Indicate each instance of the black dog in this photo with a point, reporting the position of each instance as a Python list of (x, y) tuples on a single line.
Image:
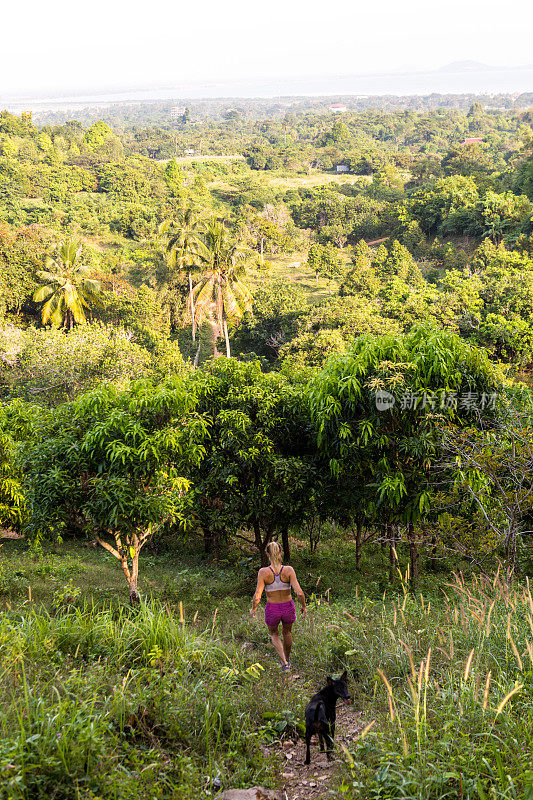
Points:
[(320, 714)]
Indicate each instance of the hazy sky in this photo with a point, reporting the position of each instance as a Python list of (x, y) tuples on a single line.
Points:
[(55, 44)]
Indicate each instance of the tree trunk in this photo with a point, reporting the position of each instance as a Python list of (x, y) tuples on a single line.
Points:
[(131, 575), (208, 540), (413, 554), (226, 337), (261, 543), (191, 300), (134, 594), (358, 545), (286, 544)]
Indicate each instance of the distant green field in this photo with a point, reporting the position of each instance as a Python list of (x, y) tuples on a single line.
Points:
[(293, 268)]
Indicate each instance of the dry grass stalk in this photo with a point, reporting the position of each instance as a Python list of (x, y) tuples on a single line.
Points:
[(414, 693), (487, 629), (420, 675), (410, 657), (476, 616), (496, 578), (486, 690), (428, 661), (367, 728), (385, 681), (468, 664), (508, 697), (516, 654)]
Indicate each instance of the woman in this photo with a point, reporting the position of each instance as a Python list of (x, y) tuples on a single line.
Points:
[(277, 581)]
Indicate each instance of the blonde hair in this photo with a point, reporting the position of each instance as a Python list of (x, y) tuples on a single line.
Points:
[(274, 554)]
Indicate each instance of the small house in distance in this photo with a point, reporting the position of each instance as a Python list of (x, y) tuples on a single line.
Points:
[(338, 108), (343, 168), (472, 141)]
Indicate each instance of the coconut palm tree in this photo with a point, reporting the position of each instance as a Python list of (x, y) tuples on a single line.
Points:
[(67, 289), (184, 252), (220, 297)]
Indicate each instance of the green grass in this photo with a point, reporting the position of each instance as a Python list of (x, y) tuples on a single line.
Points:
[(98, 700), (292, 268)]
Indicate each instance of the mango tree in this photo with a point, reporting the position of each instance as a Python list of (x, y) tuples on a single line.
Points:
[(260, 463), (12, 496), (381, 409), (113, 463)]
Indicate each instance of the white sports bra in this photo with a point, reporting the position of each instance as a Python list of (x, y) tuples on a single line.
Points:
[(277, 585)]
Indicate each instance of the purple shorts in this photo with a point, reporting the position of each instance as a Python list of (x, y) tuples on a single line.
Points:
[(279, 612)]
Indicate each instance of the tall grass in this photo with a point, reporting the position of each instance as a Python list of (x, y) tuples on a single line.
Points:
[(116, 704), (106, 702), (454, 702)]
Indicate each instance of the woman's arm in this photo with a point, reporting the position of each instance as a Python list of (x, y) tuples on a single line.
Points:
[(258, 593), (298, 591)]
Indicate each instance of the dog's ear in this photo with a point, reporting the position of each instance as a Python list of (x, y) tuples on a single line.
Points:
[(344, 676), (329, 680)]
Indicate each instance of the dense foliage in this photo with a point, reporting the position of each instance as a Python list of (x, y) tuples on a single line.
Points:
[(369, 277)]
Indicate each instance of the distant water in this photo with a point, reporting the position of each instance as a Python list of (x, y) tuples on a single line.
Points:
[(482, 81)]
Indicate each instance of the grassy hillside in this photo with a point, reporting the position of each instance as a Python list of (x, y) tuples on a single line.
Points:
[(99, 700)]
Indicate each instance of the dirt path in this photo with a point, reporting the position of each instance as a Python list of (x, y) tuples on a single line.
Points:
[(313, 782), (301, 782)]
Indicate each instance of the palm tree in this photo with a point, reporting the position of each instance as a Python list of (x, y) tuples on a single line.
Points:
[(67, 289), (185, 251), (220, 297)]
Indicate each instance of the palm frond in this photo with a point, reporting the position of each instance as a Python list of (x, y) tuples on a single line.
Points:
[(49, 277), (91, 286), (242, 295), (42, 294), (57, 317), (204, 300)]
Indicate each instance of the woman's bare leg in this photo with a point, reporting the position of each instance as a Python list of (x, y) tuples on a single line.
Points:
[(278, 644), (287, 639)]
